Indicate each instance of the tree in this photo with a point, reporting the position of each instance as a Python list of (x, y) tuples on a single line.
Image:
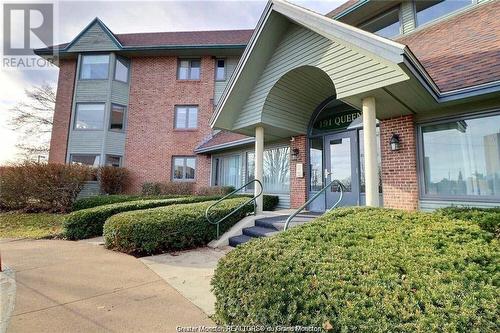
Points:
[(33, 120)]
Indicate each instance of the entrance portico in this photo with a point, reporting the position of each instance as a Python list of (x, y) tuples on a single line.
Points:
[(296, 61)]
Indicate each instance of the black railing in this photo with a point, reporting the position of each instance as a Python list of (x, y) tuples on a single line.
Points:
[(253, 199)]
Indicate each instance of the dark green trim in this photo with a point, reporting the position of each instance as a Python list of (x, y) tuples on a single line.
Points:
[(350, 9)]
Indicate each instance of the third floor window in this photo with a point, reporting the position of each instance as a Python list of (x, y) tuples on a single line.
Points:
[(431, 10), (189, 69), (186, 117), (385, 25), (220, 70), (94, 67)]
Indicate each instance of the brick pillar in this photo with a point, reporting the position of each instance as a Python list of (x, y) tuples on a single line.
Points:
[(62, 112), (298, 185), (399, 168)]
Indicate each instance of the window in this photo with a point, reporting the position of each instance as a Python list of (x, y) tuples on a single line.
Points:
[(89, 116), (431, 10), (114, 161), (220, 70), (189, 69), (227, 171), (94, 67), (316, 163), (461, 158), (121, 70), (117, 117), (186, 117), (184, 168), (362, 186), (385, 25), (276, 171), (89, 159)]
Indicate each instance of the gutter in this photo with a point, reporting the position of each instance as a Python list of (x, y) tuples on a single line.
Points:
[(225, 145)]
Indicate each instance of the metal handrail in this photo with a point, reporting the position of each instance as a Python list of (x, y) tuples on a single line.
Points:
[(253, 199), (301, 208)]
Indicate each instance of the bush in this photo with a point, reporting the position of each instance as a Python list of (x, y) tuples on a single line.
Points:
[(215, 190), (112, 179), (269, 201), (162, 188), (41, 187), (163, 229), (487, 218), (101, 200), (365, 270), (88, 223)]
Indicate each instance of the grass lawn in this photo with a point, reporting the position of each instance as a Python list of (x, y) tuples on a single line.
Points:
[(18, 225)]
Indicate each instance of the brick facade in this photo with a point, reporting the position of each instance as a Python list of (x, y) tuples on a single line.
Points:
[(399, 168), (151, 139), (62, 112), (298, 186)]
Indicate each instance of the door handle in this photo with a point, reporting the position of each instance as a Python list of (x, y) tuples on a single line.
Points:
[(327, 173)]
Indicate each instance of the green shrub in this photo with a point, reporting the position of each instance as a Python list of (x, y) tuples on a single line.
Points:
[(270, 202), (162, 188), (215, 190), (112, 179), (365, 270), (88, 222), (163, 229), (101, 200), (38, 187), (487, 218)]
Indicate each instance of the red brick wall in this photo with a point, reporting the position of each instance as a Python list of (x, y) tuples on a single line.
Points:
[(298, 186), (151, 139), (399, 168), (62, 112)]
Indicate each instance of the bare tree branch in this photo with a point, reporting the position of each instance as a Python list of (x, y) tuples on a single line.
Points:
[(32, 117)]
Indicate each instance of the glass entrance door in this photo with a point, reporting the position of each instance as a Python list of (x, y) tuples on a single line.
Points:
[(341, 161)]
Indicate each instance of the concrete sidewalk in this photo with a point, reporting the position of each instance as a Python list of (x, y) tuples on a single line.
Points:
[(64, 286)]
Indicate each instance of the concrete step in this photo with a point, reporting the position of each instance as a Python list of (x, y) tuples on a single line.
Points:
[(237, 240), (259, 231)]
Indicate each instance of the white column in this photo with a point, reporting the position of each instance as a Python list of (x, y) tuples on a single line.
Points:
[(259, 164), (370, 144)]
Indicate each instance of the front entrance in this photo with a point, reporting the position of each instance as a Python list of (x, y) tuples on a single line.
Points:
[(341, 161)]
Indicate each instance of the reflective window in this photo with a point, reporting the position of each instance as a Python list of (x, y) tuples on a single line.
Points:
[(184, 168), (431, 10), (220, 70), (462, 158), (189, 69), (186, 117), (276, 171), (362, 161), (385, 25), (113, 160), (89, 116), (94, 67), (316, 163), (86, 159), (117, 117), (341, 167), (227, 171), (121, 70)]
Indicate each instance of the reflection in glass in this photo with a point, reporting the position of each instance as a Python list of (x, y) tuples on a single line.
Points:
[(276, 171), (316, 154), (462, 158), (227, 171), (340, 159), (362, 161), (431, 10), (89, 116)]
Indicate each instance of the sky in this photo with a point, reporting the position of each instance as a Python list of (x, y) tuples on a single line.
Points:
[(127, 17)]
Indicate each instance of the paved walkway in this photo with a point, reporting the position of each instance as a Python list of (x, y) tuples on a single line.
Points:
[(64, 286)]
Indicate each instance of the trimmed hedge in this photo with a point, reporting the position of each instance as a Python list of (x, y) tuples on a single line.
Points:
[(270, 202), (176, 227), (87, 223), (487, 218), (365, 270), (101, 200)]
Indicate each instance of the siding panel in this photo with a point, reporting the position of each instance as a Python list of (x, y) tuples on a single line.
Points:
[(94, 39)]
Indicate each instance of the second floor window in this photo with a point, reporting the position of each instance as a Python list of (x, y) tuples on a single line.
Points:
[(186, 117), (385, 25), (94, 67), (220, 70), (431, 10), (189, 69), (117, 118), (121, 70), (89, 116)]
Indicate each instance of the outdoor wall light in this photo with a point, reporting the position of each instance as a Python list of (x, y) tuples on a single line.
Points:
[(395, 144), (295, 154)]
